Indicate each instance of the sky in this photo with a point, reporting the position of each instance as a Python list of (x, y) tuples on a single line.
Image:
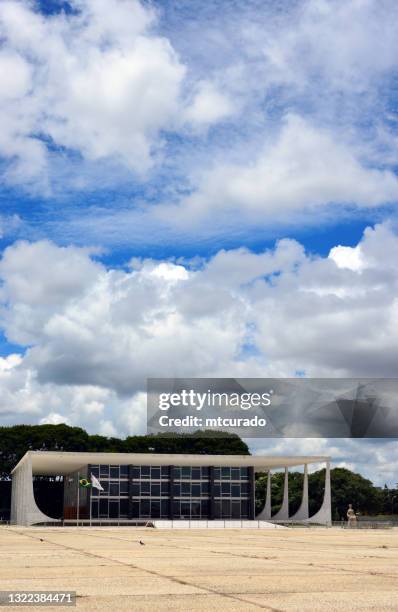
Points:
[(196, 189)]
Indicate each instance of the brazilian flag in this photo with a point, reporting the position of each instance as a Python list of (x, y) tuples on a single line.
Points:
[(84, 483)]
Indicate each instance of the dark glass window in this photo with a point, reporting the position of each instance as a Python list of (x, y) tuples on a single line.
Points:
[(235, 474), (113, 509), (204, 503), (164, 471), (235, 490), (217, 473), (124, 508), (244, 473), (185, 509), (145, 488), (165, 488), (177, 473), (145, 471), (205, 488), (196, 473), (114, 488), (205, 471), (186, 488), (244, 488), (196, 490), (136, 472), (186, 472), (244, 507), (217, 490), (145, 507), (195, 509), (135, 509), (176, 490), (155, 472), (226, 508), (94, 509), (103, 508), (226, 489), (104, 471), (105, 486), (165, 507), (155, 490), (226, 473), (114, 471), (124, 487), (236, 509), (155, 509), (124, 471), (95, 470), (136, 489)]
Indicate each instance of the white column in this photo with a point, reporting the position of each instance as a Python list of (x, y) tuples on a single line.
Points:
[(24, 510), (324, 514), (265, 513), (303, 512), (283, 512)]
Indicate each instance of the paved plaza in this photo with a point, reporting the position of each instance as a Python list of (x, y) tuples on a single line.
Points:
[(292, 569)]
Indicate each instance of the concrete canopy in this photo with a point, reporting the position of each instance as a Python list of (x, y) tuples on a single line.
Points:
[(47, 463)]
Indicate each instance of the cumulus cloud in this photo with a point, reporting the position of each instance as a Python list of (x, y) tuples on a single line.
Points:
[(240, 313), (303, 169), (98, 81)]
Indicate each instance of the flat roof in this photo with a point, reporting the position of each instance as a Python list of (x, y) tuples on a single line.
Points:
[(49, 463)]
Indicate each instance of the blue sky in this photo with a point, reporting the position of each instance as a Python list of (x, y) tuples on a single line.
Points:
[(183, 180)]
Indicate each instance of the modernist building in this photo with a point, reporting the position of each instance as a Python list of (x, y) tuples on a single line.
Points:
[(154, 487)]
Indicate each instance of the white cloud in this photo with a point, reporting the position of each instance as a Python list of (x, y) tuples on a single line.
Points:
[(95, 334), (241, 313), (99, 81), (303, 169), (53, 418)]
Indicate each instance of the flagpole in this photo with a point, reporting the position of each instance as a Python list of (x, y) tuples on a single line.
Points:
[(89, 497), (78, 498)]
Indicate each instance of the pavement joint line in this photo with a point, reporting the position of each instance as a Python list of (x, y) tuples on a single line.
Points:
[(241, 556), (151, 572)]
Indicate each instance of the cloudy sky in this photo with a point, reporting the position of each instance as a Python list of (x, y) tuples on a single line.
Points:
[(196, 189)]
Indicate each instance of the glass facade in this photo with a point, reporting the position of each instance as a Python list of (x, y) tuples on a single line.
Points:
[(172, 492)]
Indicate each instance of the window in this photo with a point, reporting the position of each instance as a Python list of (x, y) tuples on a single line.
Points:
[(155, 472), (186, 472), (196, 473), (124, 487), (135, 490), (155, 490), (124, 508), (244, 474), (136, 472), (114, 488), (95, 470), (104, 471), (124, 471), (196, 490), (164, 471), (226, 489), (226, 473), (235, 490), (114, 471), (145, 471), (176, 490), (103, 508), (113, 509), (235, 474)]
